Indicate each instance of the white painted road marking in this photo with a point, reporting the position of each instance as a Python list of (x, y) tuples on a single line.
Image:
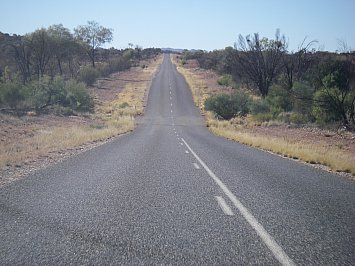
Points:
[(196, 166), (186, 151), (268, 240), (224, 206)]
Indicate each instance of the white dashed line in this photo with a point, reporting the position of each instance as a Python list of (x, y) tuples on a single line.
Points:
[(268, 240), (224, 206), (196, 166), (186, 151), (182, 144)]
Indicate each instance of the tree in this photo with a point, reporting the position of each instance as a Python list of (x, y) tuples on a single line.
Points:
[(93, 36), (22, 57), (40, 44), (335, 99), (296, 64), (260, 59), (62, 42)]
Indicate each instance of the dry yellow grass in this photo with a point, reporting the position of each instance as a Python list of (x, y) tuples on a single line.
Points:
[(336, 159), (110, 119), (131, 100), (58, 139)]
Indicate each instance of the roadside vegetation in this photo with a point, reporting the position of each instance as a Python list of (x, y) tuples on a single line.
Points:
[(55, 74), (262, 84)]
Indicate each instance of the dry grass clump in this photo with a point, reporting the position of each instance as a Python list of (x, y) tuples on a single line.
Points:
[(57, 139), (335, 158)]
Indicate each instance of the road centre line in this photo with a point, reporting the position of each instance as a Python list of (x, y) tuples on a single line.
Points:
[(186, 151), (268, 240), (196, 166), (224, 206)]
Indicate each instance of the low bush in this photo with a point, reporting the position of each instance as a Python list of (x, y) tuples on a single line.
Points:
[(259, 106), (46, 93), (226, 80), (228, 106), (11, 94), (77, 97), (88, 75)]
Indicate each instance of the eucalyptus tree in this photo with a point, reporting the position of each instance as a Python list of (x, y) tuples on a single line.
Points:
[(39, 43), (62, 44), (260, 59), (93, 36)]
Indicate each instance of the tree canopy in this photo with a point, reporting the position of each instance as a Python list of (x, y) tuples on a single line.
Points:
[(93, 36)]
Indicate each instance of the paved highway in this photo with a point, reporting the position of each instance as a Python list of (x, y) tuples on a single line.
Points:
[(173, 193)]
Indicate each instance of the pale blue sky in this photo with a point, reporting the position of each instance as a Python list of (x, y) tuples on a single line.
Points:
[(199, 24)]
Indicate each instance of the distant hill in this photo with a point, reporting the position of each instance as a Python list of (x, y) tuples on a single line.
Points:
[(177, 51), (172, 50)]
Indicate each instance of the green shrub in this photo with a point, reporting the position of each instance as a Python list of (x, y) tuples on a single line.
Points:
[(259, 107), (39, 93), (298, 118), (241, 103), (225, 80), (227, 106), (11, 94), (119, 64), (77, 97), (123, 105), (302, 98), (88, 75), (54, 94), (279, 100)]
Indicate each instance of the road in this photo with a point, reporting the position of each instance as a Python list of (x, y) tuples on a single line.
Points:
[(173, 193)]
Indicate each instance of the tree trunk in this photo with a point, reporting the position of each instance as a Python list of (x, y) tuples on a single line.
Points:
[(93, 58), (60, 66)]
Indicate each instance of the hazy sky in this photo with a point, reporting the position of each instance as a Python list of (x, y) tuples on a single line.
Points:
[(199, 24)]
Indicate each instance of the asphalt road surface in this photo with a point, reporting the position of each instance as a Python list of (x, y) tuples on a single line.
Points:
[(173, 193)]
